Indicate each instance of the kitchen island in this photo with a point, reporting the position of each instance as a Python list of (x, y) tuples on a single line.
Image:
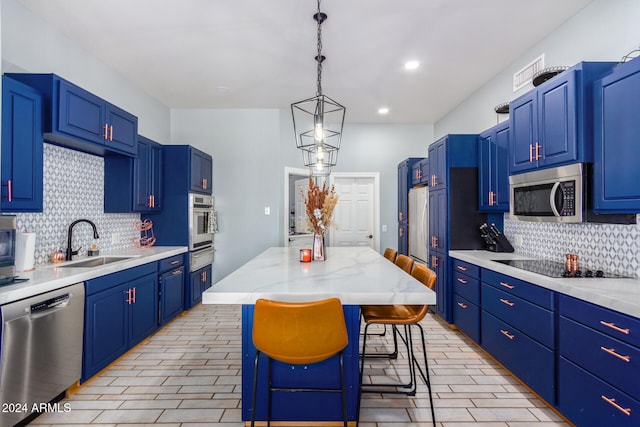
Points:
[(354, 275)]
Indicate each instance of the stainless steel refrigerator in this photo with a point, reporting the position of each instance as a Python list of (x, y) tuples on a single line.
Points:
[(418, 223)]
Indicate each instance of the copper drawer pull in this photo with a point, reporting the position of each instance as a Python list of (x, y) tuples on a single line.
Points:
[(612, 352), (174, 272), (175, 262), (612, 401), (462, 305), (506, 285), (464, 282), (507, 334), (461, 268), (612, 325), (506, 301)]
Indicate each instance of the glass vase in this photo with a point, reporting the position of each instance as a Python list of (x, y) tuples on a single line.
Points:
[(319, 253)]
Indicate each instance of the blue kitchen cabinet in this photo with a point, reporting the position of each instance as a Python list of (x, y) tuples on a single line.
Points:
[(493, 169), (201, 171), (22, 148), (616, 152), (78, 119), (454, 218), (405, 168), (551, 125), (518, 328), (420, 173), (134, 184), (199, 281), (438, 165), (121, 309), (466, 298), (599, 353), (171, 282)]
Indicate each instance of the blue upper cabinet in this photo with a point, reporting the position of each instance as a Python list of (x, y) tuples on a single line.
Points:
[(22, 148), (438, 165), (420, 173), (201, 172), (551, 125), (134, 184), (617, 127), (493, 173), (77, 119)]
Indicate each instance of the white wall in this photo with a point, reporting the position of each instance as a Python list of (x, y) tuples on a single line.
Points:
[(29, 44), (605, 30)]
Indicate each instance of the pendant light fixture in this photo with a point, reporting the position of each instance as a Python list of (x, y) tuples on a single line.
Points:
[(318, 121)]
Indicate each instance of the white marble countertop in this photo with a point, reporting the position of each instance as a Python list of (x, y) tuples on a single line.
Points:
[(355, 275), (49, 277), (618, 294)]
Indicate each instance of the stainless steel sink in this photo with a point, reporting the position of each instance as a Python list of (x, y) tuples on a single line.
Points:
[(96, 261)]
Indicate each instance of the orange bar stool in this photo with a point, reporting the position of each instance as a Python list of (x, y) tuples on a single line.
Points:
[(404, 262), (298, 333), (390, 254), (407, 316)]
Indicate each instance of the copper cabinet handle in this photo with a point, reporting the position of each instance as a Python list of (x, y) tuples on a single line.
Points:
[(129, 297), (613, 326), (462, 305), (506, 301), (204, 183), (134, 295), (435, 241), (507, 334), (9, 186), (175, 262), (506, 285), (401, 232), (174, 272), (111, 133), (492, 198), (462, 268), (434, 261), (203, 276), (530, 152), (538, 147), (105, 134), (613, 352), (612, 401), (461, 280)]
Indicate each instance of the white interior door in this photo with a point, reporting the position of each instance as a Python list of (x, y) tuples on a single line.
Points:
[(302, 188), (354, 214)]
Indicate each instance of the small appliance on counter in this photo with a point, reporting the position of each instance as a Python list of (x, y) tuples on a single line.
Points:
[(7, 249), (494, 239)]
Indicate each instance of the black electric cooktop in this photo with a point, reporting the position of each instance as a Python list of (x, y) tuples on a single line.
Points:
[(555, 269)]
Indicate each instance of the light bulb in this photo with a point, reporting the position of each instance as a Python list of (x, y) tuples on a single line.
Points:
[(320, 153), (318, 133), (319, 165)]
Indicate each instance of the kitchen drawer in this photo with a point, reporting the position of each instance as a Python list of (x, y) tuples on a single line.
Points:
[(526, 290), (527, 359), (466, 316), (466, 286), (608, 358), (617, 325), (170, 263), (588, 401), (466, 268), (102, 283), (533, 320)]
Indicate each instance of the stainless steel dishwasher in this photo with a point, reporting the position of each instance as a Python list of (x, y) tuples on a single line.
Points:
[(41, 350)]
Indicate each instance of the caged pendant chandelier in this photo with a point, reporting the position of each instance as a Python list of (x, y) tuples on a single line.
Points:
[(318, 121)]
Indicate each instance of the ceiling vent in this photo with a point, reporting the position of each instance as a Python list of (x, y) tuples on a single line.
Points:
[(524, 76)]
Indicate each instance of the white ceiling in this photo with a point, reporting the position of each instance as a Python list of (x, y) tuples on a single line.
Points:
[(260, 54)]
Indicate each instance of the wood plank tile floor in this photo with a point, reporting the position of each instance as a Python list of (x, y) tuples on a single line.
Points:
[(188, 375)]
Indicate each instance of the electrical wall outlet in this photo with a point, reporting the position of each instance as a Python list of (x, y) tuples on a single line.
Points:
[(115, 238), (267, 210)]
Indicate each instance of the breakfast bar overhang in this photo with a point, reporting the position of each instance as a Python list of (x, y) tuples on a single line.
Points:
[(355, 275)]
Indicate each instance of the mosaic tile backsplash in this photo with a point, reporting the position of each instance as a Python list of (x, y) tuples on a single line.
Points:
[(74, 189), (609, 247)]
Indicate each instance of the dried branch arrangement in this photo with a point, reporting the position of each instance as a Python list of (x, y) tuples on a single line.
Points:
[(319, 203)]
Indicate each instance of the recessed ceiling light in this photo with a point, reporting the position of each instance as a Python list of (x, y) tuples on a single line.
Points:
[(411, 65), (383, 110)]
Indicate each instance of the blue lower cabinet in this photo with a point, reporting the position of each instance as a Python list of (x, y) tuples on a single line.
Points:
[(530, 361), (121, 309), (587, 401), (466, 316), (171, 294), (199, 281)]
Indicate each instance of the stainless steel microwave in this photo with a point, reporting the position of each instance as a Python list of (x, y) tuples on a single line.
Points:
[(549, 195)]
